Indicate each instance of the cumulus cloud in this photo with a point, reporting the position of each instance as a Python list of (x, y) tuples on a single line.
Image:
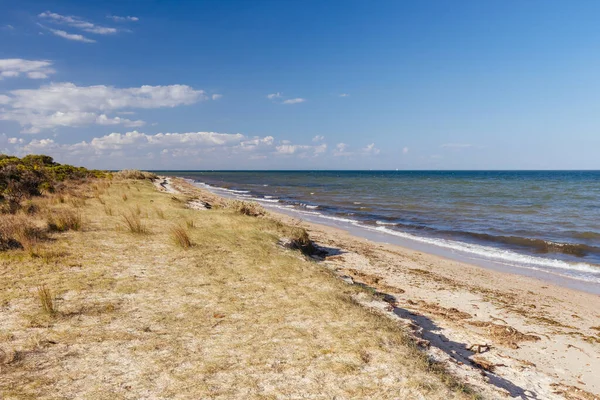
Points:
[(33, 69), (116, 18), (66, 104), (294, 101), (216, 96), (77, 22), (344, 95), (71, 36), (180, 148), (273, 96), (318, 138)]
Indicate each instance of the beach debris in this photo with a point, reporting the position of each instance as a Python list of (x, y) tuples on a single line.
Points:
[(348, 279), (504, 334), (572, 392), (485, 365), (478, 348), (197, 204)]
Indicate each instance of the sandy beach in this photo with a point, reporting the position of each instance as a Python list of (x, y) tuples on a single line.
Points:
[(508, 335)]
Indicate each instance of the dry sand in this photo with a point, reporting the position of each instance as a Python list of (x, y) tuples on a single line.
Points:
[(508, 335)]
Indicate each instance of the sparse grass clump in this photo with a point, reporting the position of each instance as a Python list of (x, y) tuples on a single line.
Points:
[(19, 232), (189, 223), (133, 222), (47, 302), (160, 213), (246, 208), (108, 210), (64, 220), (124, 197), (181, 237), (135, 174)]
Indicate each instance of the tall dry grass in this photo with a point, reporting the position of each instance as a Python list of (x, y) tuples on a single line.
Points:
[(64, 220), (134, 223), (246, 208), (181, 237), (47, 302)]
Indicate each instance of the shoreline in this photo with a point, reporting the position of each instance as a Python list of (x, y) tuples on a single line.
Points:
[(538, 338)]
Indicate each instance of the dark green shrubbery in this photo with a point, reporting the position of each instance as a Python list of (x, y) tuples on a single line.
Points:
[(22, 178)]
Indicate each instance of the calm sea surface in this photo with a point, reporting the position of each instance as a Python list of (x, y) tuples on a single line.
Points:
[(544, 220)]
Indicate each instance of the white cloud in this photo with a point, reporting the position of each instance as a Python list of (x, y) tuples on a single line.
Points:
[(341, 149), (179, 148), (294, 101), (34, 69), (344, 95), (77, 22), (71, 36), (318, 138), (405, 150), (8, 27), (371, 149), (65, 104), (273, 96), (216, 96), (116, 18)]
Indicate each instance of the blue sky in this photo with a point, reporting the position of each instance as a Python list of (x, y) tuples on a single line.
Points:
[(302, 84)]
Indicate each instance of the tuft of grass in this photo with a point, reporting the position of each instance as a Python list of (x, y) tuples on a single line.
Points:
[(133, 222), (160, 213), (246, 208), (189, 223), (47, 302), (64, 220), (108, 210), (181, 237), (124, 197)]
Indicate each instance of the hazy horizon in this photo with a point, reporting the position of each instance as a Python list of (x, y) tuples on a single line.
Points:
[(310, 85)]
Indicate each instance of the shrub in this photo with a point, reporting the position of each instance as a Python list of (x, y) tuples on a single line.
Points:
[(180, 237), (134, 223), (135, 174), (246, 208)]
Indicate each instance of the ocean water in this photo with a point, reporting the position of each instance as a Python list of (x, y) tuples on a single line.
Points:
[(537, 220)]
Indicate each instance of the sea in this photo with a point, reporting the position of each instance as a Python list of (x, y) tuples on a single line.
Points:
[(544, 224)]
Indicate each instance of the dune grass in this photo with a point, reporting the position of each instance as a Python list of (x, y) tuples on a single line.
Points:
[(234, 316)]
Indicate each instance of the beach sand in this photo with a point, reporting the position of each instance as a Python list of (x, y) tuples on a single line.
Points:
[(509, 335)]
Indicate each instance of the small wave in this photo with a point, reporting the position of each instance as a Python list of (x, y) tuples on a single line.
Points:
[(268, 200), (539, 245), (386, 223), (269, 197), (357, 202), (236, 191), (497, 254)]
